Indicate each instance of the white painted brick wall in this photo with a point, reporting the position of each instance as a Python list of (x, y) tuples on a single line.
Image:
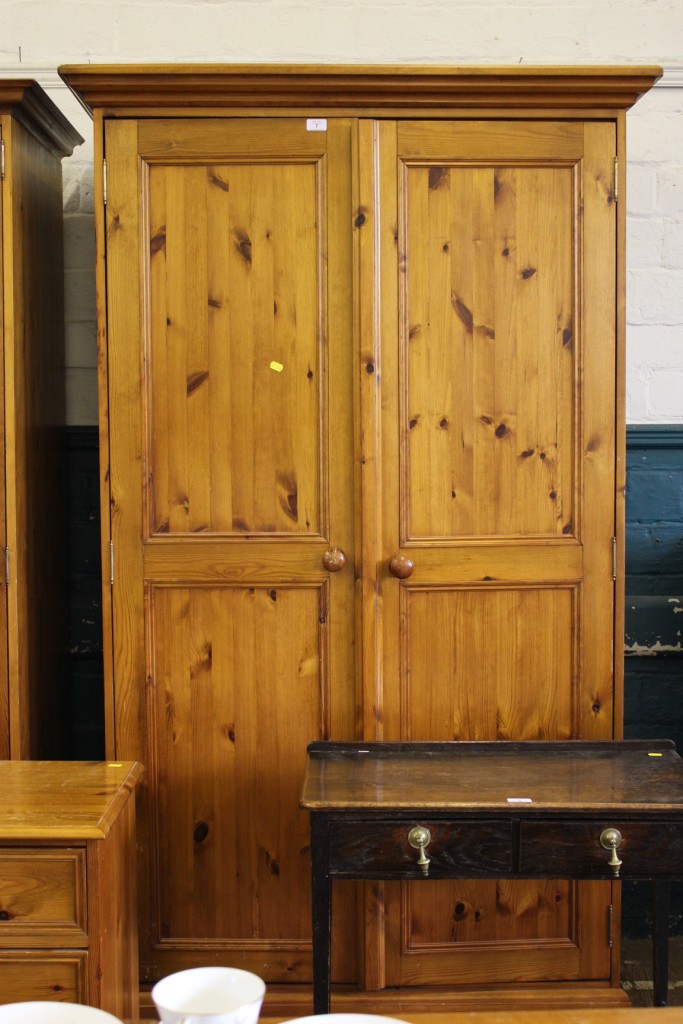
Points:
[(37, 35), (655, 253)]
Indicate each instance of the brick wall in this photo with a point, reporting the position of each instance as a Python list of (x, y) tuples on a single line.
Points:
[(37, 35), (655, 256)]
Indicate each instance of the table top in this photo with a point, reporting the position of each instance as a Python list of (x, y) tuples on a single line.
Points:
[(70, 800), (531, 777)]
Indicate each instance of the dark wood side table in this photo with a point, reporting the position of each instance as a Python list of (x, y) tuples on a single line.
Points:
[(565, 810)]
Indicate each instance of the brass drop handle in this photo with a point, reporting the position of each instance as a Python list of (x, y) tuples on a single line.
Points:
[(334, 559), (401, 567), (611, 839), (419, 837)]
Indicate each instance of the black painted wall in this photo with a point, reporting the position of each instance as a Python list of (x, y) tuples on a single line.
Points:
[(86, 698), (653, 688)]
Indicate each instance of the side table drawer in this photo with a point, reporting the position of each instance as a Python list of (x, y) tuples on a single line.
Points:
[(566, 849), (471, 850), (42, 897), (58, 977)]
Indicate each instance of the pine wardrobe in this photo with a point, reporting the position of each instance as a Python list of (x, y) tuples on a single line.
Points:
[(34, 137), (362, 435)]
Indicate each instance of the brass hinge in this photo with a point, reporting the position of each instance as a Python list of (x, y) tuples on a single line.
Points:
[(104, 181), (6, 565), (616, 179), (614, 559), (111, 562), (610, 926), (2, 159)]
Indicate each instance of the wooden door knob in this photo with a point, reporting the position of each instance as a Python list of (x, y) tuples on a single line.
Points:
[(401, 567), (334, 559)]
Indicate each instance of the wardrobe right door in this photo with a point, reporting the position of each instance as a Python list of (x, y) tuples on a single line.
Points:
[(496, 306)]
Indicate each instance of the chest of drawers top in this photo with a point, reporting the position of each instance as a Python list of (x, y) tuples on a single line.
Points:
[(72, 800)]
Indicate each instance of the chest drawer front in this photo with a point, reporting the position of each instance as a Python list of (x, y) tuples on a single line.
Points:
[(381, 849), (565, 849), (42, 898), (57, 977)]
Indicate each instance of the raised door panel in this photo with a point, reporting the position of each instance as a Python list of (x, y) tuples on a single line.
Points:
[(231, 440), (239, 676), (230, 243), (497, 309)]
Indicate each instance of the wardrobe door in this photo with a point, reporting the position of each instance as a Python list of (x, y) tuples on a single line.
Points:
[(497, 310), (229, 289)]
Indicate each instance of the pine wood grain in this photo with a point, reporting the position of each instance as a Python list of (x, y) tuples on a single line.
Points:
[(238, 398), (43, 892), (67, 885), (63, 799), (40, 975), (357, 87), (615, 1015), (420, 291), (490, 447)]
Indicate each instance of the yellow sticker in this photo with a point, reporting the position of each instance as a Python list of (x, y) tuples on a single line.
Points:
[(278, 367), (654, 755), (115, 764)]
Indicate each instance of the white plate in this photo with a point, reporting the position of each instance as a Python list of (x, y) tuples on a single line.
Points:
[(54, 1013)]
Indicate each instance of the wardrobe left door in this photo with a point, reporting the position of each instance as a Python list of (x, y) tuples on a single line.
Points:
[(229, 373)]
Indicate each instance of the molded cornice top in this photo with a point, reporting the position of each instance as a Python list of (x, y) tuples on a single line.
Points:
[(30, 104), (369, 89)]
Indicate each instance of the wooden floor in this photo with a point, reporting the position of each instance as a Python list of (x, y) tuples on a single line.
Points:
[(636, 972), (630, 1015)]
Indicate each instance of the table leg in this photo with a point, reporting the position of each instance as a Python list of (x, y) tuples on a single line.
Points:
[(661, 900), (322, 914)]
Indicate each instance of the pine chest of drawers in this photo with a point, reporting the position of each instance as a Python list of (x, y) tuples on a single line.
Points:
[(67, 883)]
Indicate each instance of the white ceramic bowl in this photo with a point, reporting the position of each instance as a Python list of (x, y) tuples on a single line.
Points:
[(209, 995), (54, 1013)]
